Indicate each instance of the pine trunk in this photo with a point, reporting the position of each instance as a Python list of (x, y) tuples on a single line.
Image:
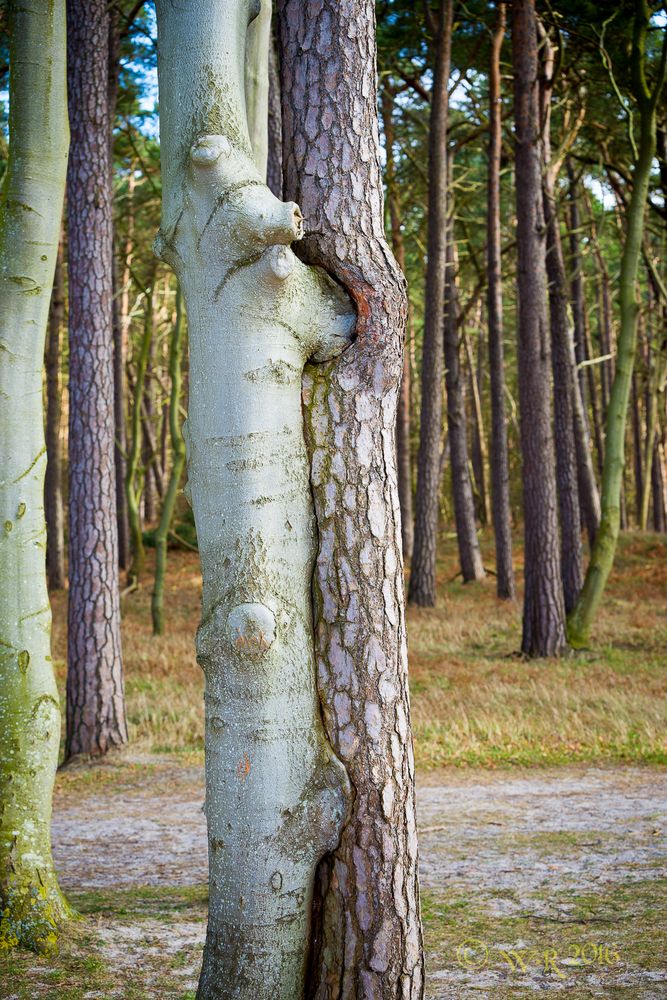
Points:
[(95, 694), (423, 572), (31, 203), (500, 479), (470, 556), (543, 610), (367, 939)]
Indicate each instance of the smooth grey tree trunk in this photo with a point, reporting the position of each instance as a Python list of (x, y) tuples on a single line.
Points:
[(31, 200), (276, 794), (367, 940), (422, 590), (543, 609), (95, 693)]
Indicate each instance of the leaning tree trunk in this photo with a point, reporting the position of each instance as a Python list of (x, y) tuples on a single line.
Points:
[(422, 577), (368, 932), (543, 608), (500, 479), (276, 794), (95, 696), (602, 556), (53, 487), (470, 556), (31, 207)]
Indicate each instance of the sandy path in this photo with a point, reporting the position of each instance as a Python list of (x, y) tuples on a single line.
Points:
[(516, 840)]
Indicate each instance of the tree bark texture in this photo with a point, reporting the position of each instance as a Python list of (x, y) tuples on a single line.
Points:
[(53, 487), (422, 589), (404, 463), (31, 204), (367, 940), (95, 695), (500, 479), (274, 166), (543, 609), (470, 555), (276, 794), (602, 556)]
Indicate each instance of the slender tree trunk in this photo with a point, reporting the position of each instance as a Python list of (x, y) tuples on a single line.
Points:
[(95, 695), (31, 203), (148, 449), (120, 436), (404, 464), (602, 556), (500, 480), (53, 488), (135, 474), (177, 466), (367, 940), (637, 445), (543, 610), (659, 493), (478, 450), (422, 589), (470, 556), (276, 794), (589, 498)]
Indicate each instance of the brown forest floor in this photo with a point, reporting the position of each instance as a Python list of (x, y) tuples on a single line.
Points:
[(543, 830)]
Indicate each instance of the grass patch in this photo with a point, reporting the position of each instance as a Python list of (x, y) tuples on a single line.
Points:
[(474, 701)]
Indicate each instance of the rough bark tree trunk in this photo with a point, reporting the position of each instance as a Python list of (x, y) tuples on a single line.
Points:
[(53, 487), (31, 203), (470, 556), (274, 167), (368, 937), (500, 480), (404, 464), (422, 589), (95, 695), (276, 794), (543, 610), (602, 556)]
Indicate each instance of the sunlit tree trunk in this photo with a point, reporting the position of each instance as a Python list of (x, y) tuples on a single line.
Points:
[(422, 577), (500, 480), (367, 940), (31, 905), (602, 556), (543, 610), (95, 695), (53, 489), (276, 794)]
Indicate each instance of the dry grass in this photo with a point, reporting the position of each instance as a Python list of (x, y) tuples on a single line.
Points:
[(473, 700)]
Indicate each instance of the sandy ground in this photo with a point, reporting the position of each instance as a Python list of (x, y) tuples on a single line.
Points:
[(517, 842)]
